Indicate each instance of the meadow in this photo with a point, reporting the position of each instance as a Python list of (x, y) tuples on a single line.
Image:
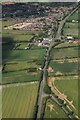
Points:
[(19, 100)]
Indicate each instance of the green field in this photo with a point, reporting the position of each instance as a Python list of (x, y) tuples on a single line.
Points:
[(21, 65), (64, 53), (64, 68), (54, 111), (66, 44), (21, 46), (17, 66), (22, 55), (72, 28), (8, 23), (19, 100), (20, 77), (71, 32), (74, 16), (69, 86)]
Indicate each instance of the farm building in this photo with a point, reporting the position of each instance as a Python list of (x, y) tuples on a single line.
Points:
[(69, 37)]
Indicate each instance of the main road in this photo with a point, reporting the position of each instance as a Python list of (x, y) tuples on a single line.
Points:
[(42, 83)]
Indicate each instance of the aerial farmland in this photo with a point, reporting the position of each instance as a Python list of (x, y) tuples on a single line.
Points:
[(40, 58)]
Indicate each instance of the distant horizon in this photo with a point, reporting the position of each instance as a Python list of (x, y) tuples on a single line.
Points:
[(40, 0)]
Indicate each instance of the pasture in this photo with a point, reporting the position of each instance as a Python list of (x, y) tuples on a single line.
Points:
[(19, 100), (18, 66), (23, 55), (65, 67), (64, 53), (71, 27), (69, 86), (20, 77), (74, 16), (67, 44), (53, 110)]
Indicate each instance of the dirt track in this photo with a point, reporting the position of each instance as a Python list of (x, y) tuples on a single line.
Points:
[(58, 93)]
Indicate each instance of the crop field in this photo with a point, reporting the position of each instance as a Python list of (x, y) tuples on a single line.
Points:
[(65, 67), (53, 110), (19, 100), (69, 86), (64, 53)]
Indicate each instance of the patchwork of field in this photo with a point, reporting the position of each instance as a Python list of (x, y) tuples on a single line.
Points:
[(64, 53), (71, 27), (19, 100), (68, 85), (23, 64), (21, 61), (17, 35), (53, 110)]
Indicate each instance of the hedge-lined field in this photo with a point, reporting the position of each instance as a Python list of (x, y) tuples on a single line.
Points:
[(20, 77), (71, 27), (67, 44), (22, 55), (63, 68), (64, 53), (54, 111), (18, 66), (69, 86), (19, 100), (74, 16)]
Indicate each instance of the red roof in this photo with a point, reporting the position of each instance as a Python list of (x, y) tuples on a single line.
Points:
[(8, 3)]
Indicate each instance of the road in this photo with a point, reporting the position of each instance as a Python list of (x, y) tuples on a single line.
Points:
[(42, 83), (58, 35)]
